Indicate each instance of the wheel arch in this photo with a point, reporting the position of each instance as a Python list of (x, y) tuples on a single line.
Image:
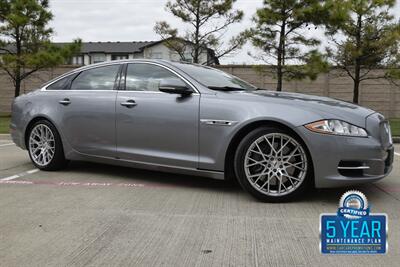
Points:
[(246, 129)]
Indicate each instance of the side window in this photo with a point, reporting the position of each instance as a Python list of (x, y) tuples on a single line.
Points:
[(147, 77), (102, 78), (60, 84)]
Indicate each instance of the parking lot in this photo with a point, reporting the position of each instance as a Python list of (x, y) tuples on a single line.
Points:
[(92, 214)]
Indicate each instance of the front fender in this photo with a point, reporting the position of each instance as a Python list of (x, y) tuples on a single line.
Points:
[(215, 139)]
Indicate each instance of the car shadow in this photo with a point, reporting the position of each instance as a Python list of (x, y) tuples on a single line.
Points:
[(163, 179), (155, 178)]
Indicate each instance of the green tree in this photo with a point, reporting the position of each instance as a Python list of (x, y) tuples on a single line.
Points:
[(279, 33), (365, 36), (207, 21), (25, 40)]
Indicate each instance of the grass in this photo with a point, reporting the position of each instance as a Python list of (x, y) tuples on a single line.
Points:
[(395, 126), (4, 124)]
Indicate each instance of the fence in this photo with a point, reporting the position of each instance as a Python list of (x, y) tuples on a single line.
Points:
[(379, 95)]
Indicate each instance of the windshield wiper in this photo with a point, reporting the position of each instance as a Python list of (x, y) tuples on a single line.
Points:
[(226, 88)]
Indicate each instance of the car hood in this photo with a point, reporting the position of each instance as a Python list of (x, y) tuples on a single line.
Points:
[(327, 108)]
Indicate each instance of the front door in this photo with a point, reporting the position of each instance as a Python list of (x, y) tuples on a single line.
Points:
[(153, 126)]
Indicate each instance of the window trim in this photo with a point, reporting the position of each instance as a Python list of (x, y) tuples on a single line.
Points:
[(74, 75), (123, 76), (125, 70)]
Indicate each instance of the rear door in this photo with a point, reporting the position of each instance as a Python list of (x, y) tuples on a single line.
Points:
[(153, 126), (88, 111)]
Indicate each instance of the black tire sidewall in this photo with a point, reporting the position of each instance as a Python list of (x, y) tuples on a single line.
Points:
[(240, 171), (58, 161)]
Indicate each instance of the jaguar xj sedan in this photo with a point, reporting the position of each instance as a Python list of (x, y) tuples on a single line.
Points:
[(196, 120)]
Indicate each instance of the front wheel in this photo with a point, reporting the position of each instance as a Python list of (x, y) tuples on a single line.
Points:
[(272, 165), (45, 147)]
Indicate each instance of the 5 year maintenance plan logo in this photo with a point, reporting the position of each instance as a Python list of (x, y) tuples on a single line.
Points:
[(353, 229)]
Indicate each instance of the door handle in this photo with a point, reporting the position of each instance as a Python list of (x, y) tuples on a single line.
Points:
[(65, 102), (129, 103)]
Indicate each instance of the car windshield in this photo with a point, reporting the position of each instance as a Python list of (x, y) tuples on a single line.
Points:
[(215, 79)]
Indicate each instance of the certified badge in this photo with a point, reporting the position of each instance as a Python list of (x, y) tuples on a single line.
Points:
[(353, 229), (353, 205)]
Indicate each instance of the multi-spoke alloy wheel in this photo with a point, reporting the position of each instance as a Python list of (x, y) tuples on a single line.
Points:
[(41, 145), (45, 146), (275, 164), (271, 164)]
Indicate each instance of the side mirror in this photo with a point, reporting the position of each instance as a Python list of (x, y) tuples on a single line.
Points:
[(174, 86)]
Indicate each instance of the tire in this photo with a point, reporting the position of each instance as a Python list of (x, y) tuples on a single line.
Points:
[(275, 175), (45, 147)]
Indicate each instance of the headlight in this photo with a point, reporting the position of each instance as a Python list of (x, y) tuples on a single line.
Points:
[(336, 127)]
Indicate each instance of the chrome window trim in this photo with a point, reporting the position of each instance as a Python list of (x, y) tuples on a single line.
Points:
[(44, 88), (79, 90)]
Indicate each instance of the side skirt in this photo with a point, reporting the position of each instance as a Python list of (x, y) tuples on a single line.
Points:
[(147, 166)]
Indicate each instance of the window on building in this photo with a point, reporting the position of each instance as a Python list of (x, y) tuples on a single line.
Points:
[(97, 58), (77, 60), (119, 57), (147, 77), (188, 58), (177, 57), (156, 55), (102, 78)]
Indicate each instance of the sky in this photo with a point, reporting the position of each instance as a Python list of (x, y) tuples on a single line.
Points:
[(133, 20)]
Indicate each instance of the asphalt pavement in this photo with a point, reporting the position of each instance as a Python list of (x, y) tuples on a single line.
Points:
[(91, 214)]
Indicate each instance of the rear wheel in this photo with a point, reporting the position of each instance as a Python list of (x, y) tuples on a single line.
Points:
[(45, 147), (272, 165)]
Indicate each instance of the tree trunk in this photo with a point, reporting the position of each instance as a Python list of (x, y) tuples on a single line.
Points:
[(356, 91), (281, 56), (18, 66), (279, 74), (357, 64), (17, 87), (197, 33)]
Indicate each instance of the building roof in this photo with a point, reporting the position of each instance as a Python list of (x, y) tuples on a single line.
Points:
[(112, 47), (117, 48)]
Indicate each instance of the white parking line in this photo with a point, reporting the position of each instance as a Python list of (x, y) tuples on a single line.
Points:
[(397, 154), (22, 174), (8, 144)]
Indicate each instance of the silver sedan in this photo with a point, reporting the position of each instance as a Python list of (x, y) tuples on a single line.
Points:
[(197, 120)]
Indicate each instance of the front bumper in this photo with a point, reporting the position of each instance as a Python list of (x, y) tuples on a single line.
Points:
[(342, 161)]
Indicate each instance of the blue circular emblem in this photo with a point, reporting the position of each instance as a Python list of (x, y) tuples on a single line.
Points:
[(353, 205)]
